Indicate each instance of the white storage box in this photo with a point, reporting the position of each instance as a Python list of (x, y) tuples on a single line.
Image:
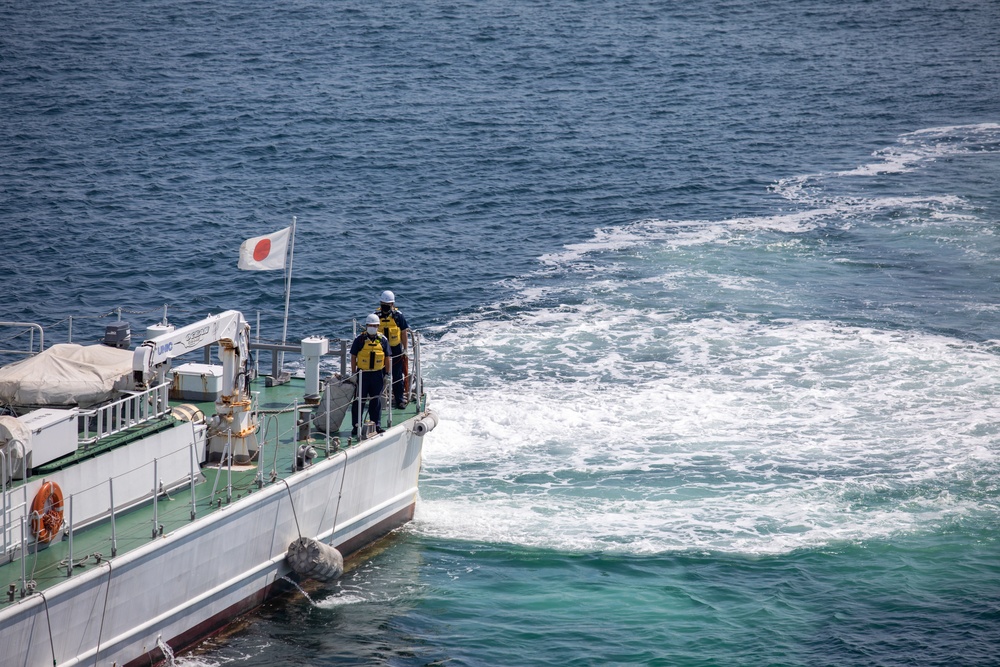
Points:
[(53, 433), (197, 382)]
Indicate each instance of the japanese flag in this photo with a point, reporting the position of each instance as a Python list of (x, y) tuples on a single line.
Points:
[(265, 253)]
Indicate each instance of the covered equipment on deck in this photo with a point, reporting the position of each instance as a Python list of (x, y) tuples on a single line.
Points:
[(334, 403), (67, 374)]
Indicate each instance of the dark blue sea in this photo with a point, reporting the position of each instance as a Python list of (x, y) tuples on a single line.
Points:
[(709, 294)]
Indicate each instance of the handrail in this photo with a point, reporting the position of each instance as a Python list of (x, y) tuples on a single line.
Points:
[(31, 341), (274, 348), (136, 408), (8, 510), (416, 376), (3, 491)]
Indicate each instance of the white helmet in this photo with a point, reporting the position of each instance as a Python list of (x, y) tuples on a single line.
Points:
[(372, 319), (388, 297)]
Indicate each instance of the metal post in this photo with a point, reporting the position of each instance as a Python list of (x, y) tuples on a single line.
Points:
[(156, 497), (69, 338), (218, 472), (416, 384), (288, 292), (259, 477), (69, 566), (31, 340), (194, 505), (361, 423), (328, 392), (388, 403), (229, 467), (408, 378), (114, 534), (24, 560), (256, 358), (3, 484), (295, 425)]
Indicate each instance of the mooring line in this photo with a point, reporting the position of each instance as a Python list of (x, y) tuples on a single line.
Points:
[(292, 502), (104, 614), (48, 622)]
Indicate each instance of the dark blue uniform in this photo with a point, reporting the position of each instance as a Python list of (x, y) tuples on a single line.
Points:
[(397, 353), (371, 382)]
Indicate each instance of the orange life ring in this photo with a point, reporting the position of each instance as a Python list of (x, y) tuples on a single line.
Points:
[(47, 512)]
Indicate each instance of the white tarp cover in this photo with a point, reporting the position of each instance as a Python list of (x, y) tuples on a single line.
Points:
[(66, 374)]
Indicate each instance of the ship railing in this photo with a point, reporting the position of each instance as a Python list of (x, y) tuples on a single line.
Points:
[(30, 328), (136, 408), (416, 376), (10, 506), (104, 501), (338, 348), (412, 377)]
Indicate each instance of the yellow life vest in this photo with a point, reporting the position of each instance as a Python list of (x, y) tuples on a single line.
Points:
[(387, 327), (372, 356)]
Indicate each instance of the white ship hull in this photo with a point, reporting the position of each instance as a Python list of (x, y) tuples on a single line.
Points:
[(190, 582)]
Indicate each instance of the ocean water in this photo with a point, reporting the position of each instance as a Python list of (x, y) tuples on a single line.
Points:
[(709, 293)]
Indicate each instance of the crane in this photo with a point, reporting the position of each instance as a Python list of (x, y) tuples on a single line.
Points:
[(234, 426)]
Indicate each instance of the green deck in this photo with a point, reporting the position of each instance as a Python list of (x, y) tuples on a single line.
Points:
[(136, 527)]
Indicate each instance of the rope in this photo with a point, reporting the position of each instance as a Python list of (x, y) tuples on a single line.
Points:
[(340, 494), (104, 614), (264, 435), (81, 562), (126, 311), (34, 562), (113, 311), (18, 336), (174, 309), (292, 503), (275, 411), (48, 622)]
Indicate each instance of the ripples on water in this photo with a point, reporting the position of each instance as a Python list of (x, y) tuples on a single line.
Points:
[(432, 602), (469, 132)]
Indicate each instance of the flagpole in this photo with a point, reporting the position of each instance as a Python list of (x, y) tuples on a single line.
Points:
[(288, 294)]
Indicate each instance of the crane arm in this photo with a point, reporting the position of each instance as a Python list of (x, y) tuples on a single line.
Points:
[(150, 358)]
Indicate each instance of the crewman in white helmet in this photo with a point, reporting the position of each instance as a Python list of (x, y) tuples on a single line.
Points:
[(393, 326), (370, 354)]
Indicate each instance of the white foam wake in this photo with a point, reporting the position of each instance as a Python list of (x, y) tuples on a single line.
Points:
[(596, 428), (814, 203), (657, 416)]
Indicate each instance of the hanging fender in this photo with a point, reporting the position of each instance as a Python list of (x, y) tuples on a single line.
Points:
[(425, 424)]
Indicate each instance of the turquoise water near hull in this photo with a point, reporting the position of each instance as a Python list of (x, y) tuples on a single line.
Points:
[(915, 601), (709, 294)]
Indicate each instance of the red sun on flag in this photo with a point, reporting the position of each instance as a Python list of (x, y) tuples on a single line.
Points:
[(262, 250), (265, 253)]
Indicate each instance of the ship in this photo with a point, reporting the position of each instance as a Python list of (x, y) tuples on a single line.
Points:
[(153, 494)]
